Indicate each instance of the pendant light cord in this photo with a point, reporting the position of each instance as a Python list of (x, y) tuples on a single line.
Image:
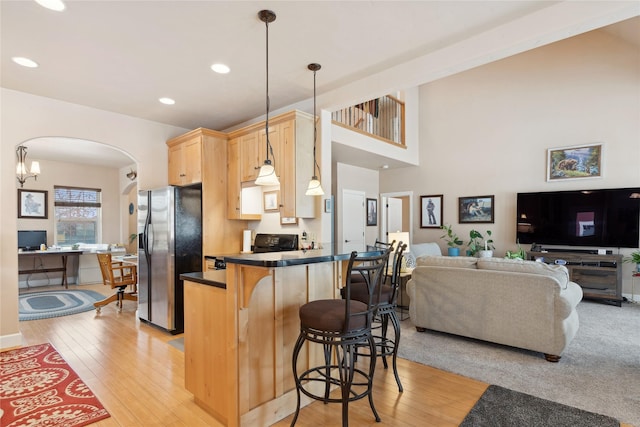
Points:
[(268, 102)]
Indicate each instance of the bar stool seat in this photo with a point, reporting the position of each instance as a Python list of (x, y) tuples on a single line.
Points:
[(341, 326), (328, 315)]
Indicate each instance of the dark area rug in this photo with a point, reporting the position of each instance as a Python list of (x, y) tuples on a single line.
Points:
[(501, 407), (43, 305)]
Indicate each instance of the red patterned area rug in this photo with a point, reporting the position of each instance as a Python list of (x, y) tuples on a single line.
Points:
[(38, 388)]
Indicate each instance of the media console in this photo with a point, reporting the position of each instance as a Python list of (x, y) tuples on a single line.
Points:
[(599, 276)]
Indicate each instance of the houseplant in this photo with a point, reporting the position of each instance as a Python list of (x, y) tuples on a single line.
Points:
[(479, 246), (452, 239), (634, 258), (519, 254)]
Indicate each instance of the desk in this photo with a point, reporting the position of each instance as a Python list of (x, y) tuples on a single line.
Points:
[(63, 256), (126, 259)]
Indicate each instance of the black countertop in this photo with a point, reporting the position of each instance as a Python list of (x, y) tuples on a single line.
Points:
[(289, 258), (217, 278)]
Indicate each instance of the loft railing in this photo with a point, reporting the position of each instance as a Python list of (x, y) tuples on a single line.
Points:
[(381, 118)]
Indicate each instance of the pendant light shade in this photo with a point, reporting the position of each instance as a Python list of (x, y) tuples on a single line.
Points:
[(21, 166), (314, 188), (267, 174)]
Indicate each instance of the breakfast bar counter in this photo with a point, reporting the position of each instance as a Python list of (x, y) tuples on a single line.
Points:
[(239, 336)]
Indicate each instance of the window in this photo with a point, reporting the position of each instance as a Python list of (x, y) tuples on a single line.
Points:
[(78, 214)]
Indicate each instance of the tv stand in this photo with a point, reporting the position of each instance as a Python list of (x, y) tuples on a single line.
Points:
[(599, 276), (575, 251)]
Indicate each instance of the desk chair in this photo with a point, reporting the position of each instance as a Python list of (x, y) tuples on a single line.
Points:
[(341, 326), (117, 275)]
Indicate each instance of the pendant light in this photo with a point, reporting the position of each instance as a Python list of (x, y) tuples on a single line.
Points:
[(21, 167), (314, 188), (267, 174)]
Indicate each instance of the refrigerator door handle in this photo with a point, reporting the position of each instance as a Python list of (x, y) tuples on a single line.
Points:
[(150, 239)]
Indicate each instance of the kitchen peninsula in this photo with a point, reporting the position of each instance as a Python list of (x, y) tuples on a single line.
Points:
[(240, 328)]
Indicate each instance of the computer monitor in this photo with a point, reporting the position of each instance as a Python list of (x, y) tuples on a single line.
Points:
[(30, 240)]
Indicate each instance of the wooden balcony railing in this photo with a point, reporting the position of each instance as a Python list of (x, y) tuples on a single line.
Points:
[(381, 118)]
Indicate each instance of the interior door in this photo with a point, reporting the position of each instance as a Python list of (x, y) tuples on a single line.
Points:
[(353, 214), (393, 217)]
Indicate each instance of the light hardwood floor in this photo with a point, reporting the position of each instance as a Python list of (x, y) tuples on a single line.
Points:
[(139, 377)]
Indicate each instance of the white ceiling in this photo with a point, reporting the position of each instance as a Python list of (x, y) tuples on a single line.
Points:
[(121, 56)]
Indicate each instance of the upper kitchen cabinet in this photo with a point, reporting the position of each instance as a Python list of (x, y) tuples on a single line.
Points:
[(296, 139), (291, 140), (242, 202), (185, 158), (201, 156)]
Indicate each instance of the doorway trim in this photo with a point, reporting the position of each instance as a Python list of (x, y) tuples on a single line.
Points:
[(383, 223)]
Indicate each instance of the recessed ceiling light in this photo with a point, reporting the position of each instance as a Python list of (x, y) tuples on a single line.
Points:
[(25, 62), (56, 5), (384, 167), (167, 101), (220, 68)]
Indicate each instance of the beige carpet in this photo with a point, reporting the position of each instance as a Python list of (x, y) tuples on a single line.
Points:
[(598, 372)]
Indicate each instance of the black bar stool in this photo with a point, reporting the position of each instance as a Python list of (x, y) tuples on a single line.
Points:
[(385, 312), (341, 325)]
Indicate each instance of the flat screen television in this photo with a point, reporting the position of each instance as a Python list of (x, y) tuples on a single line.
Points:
[(598, 218), (31, 240)]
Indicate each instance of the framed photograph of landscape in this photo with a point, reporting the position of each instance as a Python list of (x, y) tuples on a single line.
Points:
[(372, 211), (431, 211), (475, 210), (583, 161), (32, 204)]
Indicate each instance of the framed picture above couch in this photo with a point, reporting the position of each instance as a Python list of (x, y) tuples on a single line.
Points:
[(431, 211), (477, 209)]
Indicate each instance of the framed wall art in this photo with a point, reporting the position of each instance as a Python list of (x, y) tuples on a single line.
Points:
[(32, 204), (372, 211), (431, 211), (584, 161), (477, 209), (271, 201)]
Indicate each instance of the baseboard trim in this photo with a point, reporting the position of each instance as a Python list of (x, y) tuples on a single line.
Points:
[(13, 340)]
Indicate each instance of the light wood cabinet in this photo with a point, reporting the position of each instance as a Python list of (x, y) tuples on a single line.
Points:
[(291, 138), (220, 235), (249, 156), (234, 184), (185, 161)]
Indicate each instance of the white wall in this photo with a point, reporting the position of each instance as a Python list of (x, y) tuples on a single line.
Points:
[(350, 177), (25, 117), (87, 176), (486, 131)]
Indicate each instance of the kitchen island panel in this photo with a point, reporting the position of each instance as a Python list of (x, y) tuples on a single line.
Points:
[(257, 325), (205, 330)]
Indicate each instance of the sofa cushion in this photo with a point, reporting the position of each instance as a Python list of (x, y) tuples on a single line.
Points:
[(447, 261), (559, 272)]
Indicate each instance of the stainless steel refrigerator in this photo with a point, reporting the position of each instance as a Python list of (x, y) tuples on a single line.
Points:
[(169, 244)]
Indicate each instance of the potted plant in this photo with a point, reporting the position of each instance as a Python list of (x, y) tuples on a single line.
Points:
[(519, 254), (634, 258), (479, 246), (452, 239)]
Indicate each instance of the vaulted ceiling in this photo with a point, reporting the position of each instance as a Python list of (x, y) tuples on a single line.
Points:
[(122, 56)]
